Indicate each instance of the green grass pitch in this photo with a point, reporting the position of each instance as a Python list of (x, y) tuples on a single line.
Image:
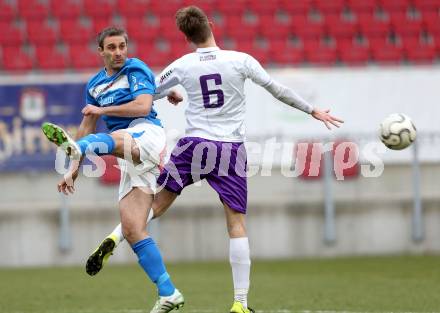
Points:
[(367, 284)]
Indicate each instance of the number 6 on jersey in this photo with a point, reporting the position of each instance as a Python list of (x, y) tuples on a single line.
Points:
[(207, 93)]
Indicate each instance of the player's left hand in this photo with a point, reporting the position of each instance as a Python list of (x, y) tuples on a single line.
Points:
[(66, 185), (174, 97), (326, 118), (92, 110)]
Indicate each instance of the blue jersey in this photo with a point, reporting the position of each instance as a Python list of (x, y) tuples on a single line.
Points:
[(132, 80)]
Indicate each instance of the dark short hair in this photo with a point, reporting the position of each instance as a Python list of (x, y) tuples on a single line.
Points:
[(193, 22), (109, 32)]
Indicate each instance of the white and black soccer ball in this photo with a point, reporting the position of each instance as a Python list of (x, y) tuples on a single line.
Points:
[(397, 131)]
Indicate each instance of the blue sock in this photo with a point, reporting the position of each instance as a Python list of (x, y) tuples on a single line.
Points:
[(151, 261), (101, 144)]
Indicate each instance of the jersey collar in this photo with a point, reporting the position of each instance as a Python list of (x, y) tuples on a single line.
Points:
[(208, 49)]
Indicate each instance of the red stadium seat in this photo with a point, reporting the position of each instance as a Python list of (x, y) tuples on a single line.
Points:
[(339, 27), (404, 25), (218, 30), (73, 31), (208, 6), (370, 26), (99, 23), (66, 9), (237, 28), (304, 28), (383, 51), (334, 6), (318, 53), (295, 7), (16, 60), (98, 8), (41, 33), (428, 5), (229, 8), (351, 53), (264, 7), (83, 59), (250, 47), (7, 12), (286, 54), (168, 29), (276, 45), (33, 10), (419, 51), (362, 6), (10, 35), (139, 30), (48, 58), (133, 8), (161, 9), (268, 23), (179, 49), (431, 22), (142, 49), (155, 57), (395, 5)]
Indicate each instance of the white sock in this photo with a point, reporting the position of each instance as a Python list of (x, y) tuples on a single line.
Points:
[(239, 257), (117, 234)]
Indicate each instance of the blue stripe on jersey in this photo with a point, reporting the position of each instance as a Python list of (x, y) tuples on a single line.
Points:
[(134, 79)]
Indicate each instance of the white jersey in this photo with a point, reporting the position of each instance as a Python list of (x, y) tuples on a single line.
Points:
[(214, 81)]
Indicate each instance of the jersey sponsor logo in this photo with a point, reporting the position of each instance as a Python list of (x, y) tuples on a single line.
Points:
[(120, 82), (167, 74), (208, 57), (107, 100)]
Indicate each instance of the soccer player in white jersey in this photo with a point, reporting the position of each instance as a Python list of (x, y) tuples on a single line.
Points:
[(122, 94), (214, 81)]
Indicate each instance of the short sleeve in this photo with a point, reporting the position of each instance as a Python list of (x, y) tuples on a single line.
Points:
[(141, 81), (170, 76), (89, 98)]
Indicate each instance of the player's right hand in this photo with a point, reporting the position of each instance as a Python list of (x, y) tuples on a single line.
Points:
[(325, 117), (174, 97)]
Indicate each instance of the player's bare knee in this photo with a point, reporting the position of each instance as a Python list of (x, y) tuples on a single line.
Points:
[(132, 234)]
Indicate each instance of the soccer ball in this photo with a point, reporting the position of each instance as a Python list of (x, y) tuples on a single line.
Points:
[(397, 131)]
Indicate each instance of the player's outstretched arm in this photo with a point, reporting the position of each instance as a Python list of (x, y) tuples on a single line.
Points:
[(325, 117), (66, 184)]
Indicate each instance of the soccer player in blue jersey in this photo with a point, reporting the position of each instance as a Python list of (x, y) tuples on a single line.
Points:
[(122, 94)]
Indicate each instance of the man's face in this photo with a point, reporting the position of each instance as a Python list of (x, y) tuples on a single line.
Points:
[(114, 53)]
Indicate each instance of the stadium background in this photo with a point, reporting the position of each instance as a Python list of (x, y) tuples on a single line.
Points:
[(363, 59)]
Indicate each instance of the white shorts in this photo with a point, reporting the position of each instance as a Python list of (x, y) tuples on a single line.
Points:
[(151, 140)]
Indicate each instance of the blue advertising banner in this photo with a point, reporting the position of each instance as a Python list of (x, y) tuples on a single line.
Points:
[(23, 108)]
